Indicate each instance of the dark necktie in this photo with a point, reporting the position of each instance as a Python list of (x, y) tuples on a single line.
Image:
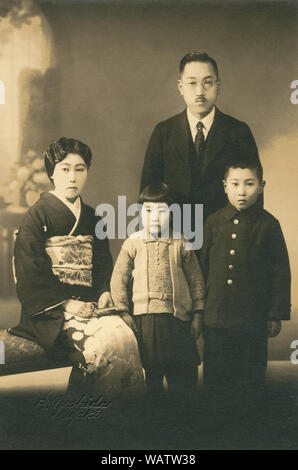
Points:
[(199, 140)]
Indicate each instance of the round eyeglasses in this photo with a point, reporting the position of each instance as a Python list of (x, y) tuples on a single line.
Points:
[(207, 83)]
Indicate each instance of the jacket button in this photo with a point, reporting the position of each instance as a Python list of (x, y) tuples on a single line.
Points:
[(234, 235), (230, 282), (231, 267), (232, 252), (236, 221)]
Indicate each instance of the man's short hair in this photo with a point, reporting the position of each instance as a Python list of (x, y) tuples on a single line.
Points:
[(243, 164), (197, 57)]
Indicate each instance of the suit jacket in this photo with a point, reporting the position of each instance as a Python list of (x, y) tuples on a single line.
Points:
[(171, 150), (245, 263)]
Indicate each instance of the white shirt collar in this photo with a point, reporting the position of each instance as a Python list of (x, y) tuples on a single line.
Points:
[(207, 121), (75, 207)]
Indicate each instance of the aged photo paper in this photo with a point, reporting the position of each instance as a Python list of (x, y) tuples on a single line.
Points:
[(105, 72)]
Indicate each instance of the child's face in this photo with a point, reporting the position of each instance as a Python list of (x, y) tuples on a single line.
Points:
[(242, 187), (156, 218), (70, 176)]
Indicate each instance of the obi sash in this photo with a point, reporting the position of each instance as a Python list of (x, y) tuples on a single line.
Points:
[(71, 258)]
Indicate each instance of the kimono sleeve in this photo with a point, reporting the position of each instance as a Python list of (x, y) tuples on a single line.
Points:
[(37, 287)]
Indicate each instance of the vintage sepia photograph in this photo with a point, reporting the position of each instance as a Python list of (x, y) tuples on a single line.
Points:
[(148, 235)]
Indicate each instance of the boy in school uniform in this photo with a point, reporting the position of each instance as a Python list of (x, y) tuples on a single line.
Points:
[(246, 268)]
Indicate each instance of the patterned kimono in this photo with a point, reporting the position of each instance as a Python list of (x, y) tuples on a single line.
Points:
[(61, 270)]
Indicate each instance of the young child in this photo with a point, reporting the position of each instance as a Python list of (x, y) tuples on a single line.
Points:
[(167, 297), (246, 268), (63, 272)]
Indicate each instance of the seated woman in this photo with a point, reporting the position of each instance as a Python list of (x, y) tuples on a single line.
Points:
[(63, 275)]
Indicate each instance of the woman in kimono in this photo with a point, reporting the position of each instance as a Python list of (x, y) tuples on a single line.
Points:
[(63, 275)]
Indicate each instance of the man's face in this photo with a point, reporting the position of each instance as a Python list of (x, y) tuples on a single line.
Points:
[(242, 187), (199, 87)]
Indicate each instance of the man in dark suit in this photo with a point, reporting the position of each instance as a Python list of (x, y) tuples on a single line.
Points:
[(190, 150)]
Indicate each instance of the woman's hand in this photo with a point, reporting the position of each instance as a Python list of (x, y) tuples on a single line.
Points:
[(105, 300), (79, 308)]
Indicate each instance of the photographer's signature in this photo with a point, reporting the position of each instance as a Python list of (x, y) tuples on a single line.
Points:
[(71, 409)]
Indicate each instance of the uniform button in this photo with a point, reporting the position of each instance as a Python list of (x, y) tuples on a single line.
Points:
[(234, 235), (232, 252), (236, 221), (231, 267), (230, 282)]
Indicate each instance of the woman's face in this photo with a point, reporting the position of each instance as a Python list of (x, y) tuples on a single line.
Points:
[(69, 176)]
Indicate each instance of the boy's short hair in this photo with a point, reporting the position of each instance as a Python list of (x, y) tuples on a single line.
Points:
[(59, 150), (197, 57), (243, 164), (157, 192)]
